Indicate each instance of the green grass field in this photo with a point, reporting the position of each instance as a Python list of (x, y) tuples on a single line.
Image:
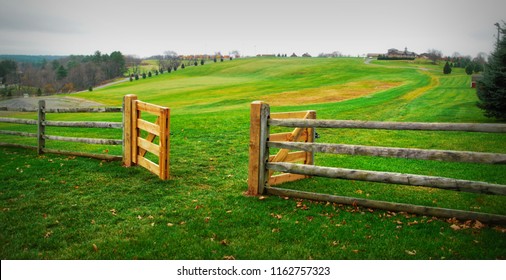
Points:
[(57, 207)]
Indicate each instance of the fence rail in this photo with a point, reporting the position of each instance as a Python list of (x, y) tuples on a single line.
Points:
[(262, 164), (469, 127)]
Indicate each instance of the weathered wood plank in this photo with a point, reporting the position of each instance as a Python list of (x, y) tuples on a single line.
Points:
[(390, 177), (85, 110), (149, 165), (84, 154), (149, 127), (97, 141), (293, 157), (150, 108), (19, 133), (164, 144), (471, 127), (255, 144), (84, 124), (290, 115), (127, 129), (41, 129), (288, 136), (284, 178), (136, 115), (148, 146), (391, 206), (66, 110), (442, 155), (19, 121)]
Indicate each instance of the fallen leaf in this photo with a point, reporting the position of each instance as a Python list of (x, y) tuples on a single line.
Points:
[(139, 217), (359, 191), (229, 258), (224, 242), (151, 217), (411, 253), (48, 234), (412, 223), (95, 248), (355, 251), (262, 197), (275, 230), (478, 225), (455, 227), (206, 219), (170, 224)]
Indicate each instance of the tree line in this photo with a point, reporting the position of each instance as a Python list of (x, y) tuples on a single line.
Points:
[(63, 75)]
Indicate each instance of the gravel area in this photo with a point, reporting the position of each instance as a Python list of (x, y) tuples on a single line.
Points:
[(52, 102)]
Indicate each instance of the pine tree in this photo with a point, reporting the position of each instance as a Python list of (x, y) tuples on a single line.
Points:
[(447, 69), (469, 69), (491, 89)]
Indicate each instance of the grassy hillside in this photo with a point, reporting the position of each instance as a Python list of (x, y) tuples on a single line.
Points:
[(71, 208)]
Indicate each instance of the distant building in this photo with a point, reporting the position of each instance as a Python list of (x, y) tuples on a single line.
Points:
[(395, 54), (306, 55), (293, 55)]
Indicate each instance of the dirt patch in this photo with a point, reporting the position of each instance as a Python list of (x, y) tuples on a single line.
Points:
[(328, 94), (52, 102)]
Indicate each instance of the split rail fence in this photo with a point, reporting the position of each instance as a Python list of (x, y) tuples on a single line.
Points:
[(262, 165), (134, 146)]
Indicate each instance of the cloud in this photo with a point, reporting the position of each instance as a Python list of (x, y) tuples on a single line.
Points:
[(35, 17)]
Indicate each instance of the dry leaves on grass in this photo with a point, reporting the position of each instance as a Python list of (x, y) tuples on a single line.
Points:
[(457, 225)]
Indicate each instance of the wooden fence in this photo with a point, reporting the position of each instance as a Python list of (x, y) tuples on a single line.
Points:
[(261, 165), (42, 123), (134, 146)]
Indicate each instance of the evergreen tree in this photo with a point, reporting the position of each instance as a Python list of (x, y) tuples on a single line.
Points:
[(61, 73), (447, 69), (491, 89), (469, 69)]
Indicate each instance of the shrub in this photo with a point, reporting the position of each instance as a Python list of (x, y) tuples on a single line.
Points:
[(447, 69)]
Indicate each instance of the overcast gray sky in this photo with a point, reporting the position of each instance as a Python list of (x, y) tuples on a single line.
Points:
[(150, 27)]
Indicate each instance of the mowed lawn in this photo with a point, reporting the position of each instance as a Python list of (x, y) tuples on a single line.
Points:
[(59, 207)]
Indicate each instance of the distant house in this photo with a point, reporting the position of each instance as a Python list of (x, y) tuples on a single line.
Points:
[(395, 54), (306, 55), (293, 55)]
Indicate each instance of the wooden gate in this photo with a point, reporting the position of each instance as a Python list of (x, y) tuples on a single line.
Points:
[(136, 147), (259, 135)]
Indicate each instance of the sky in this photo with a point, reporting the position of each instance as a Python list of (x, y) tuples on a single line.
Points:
[(149, 27)]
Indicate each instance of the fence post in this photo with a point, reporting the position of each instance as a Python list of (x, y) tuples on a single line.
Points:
[(258, 150), (127, 128), (41, 128), (310, 139)]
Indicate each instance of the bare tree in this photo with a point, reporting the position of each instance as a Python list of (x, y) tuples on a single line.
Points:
[(434, 55)]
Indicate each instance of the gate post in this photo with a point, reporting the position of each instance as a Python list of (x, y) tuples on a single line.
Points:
[(127, 128), (258, 150)]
